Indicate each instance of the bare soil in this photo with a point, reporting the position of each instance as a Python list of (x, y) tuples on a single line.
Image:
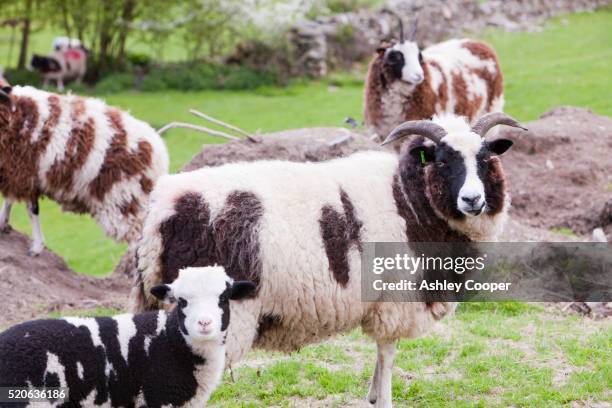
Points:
[(559, 173), (34, 287)]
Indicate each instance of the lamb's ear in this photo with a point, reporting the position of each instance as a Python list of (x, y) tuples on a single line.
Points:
[(425, 153), (500, 146), (242, 289), (163, 293)]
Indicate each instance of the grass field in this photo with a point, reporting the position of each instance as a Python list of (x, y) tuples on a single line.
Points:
[(510, 354), (568, 63)]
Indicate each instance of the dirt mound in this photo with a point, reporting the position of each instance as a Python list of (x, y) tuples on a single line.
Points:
[(310, 144), (560, 171), (34, 287)]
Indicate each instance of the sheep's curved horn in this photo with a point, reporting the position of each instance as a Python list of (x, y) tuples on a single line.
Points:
[(424, 128), (399, 23), (490, 120)]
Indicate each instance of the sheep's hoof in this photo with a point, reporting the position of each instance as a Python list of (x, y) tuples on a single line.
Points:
[(5, 229), (34, 253)]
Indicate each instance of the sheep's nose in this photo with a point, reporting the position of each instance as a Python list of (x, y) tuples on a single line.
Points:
[(204, 322), (471, 200), (418, 78)]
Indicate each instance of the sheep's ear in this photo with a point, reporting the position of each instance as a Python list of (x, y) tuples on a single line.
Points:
[(500, 146), (242, 289), (381, 51), (425, 153), (7, 89), (163, 293)]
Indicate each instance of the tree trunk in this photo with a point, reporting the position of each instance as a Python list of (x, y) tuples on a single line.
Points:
[(25, 36)]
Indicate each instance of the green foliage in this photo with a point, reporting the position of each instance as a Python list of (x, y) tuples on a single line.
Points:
[(22, 77), (115, 83)]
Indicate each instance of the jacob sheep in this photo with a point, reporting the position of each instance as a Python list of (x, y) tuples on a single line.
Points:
[(460, 77), (152, 359), (87, 156), (69, 60), (296, 230)]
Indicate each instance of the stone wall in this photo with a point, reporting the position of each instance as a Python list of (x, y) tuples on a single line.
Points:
[(336, 42)]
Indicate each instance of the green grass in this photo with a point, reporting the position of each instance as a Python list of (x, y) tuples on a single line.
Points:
[(567, 63), (553, 361)]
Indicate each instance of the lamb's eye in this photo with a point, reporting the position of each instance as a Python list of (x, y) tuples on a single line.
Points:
[(440, 164), (182, 302)]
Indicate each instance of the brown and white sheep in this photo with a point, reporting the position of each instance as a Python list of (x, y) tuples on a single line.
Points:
[(459, 76), (298, 230), (87, 156)]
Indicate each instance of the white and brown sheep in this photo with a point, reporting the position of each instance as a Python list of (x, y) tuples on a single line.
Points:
[(87, 156), (68, 61), (459, 76), (297, 229), (154, 359)]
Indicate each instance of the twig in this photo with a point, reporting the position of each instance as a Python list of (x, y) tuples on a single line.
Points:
[(339, 140), (225, 125), (197, 128)]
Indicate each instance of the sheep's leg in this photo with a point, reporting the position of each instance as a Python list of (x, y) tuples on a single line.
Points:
[(5, 215), (372, 393), (38, 240), (60, 84), (387, 354)]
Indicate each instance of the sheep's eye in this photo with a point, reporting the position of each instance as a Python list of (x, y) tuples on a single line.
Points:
[(440, 164), (182, 302)]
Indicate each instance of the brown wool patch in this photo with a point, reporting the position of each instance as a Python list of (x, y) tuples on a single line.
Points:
[(130, 208), (340, 232), (495, 187), (443, 87), (80, 144), (19, 155), (236, 235), (480, 50), (191, 238), (374, 90), (463, 105), (146, 184), (266, 323), (494, 83), (186, 237), (422, 102), (119, 162)]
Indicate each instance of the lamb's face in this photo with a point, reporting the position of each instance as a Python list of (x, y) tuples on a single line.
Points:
[(403, 61), (202, 298), (464, 176)]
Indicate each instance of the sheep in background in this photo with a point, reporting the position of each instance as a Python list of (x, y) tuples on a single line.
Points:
[(152, 359), (460, 77), (68, 61), (296, 230), (87, 156)]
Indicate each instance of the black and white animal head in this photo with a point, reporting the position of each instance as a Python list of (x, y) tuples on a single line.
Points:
[(463, 174), (44, 64), (202, 298), (402, 61)]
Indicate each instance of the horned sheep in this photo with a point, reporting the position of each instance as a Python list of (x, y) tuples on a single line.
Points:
[(297, 230), (80, 152), (153, 359), (459, 76)]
